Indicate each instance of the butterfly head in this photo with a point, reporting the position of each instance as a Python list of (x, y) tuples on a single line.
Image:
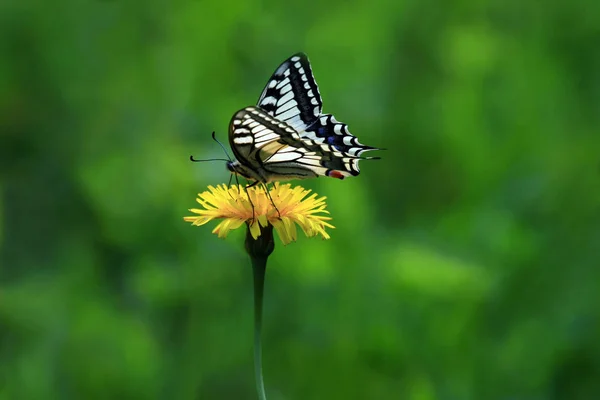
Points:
[(231, 166)]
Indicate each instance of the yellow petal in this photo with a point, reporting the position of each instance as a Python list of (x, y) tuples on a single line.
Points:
[(254, 230)]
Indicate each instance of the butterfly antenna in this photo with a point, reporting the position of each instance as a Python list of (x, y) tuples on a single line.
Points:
[(223, 147), (214, 159), (208, 159)]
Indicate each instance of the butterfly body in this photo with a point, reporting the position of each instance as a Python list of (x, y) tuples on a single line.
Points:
[(286, 136)]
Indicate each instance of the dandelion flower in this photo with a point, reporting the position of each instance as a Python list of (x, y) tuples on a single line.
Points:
[(232, 206)]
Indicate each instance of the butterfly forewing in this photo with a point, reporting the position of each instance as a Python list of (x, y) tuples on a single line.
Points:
[(292, 95), (270, 149), (276, 151)]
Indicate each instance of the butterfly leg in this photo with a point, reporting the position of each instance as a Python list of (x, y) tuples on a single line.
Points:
[(249, 199), (229, 184), (270, 198)]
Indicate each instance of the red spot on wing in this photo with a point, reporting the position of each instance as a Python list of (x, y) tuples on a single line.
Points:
[(336, 174)]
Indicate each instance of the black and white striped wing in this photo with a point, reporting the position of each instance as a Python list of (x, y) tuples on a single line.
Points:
[(330, 131), (292, 94), (276, 151)]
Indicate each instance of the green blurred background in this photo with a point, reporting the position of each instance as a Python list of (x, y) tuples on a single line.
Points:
[(464, 264)]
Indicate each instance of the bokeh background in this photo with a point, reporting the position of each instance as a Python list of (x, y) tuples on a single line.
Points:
[(464, 264)]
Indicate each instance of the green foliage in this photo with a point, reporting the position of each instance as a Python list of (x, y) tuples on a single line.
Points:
[(464, 264)]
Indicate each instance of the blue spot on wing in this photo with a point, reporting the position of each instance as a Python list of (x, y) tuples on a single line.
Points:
[(325, 127)]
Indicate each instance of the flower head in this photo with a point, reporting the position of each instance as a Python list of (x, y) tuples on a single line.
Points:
[(231, 204)]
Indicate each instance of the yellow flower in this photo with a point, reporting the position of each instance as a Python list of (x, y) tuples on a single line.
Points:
[(232, 206)]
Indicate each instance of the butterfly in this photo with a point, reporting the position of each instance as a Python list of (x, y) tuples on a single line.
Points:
[(286, 135)]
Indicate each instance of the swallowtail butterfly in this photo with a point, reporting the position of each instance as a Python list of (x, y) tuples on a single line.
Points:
[(286, 136)]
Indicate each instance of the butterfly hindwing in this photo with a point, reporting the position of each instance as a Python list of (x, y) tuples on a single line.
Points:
[(292, 94), (330, 131)]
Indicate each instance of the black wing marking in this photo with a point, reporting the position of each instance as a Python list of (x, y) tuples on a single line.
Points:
[(254, 136), (260, 141), (292, 94), (330, 131)]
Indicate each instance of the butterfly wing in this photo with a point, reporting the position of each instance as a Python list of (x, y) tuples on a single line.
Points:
[(330, 131), (269, 149), (292, 94), (273, 150)]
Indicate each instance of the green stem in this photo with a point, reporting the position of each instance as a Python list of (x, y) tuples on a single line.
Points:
[(259, 265), (259, 250)]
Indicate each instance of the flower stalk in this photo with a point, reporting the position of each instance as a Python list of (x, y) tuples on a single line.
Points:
[(259, 250), (281, 209)]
